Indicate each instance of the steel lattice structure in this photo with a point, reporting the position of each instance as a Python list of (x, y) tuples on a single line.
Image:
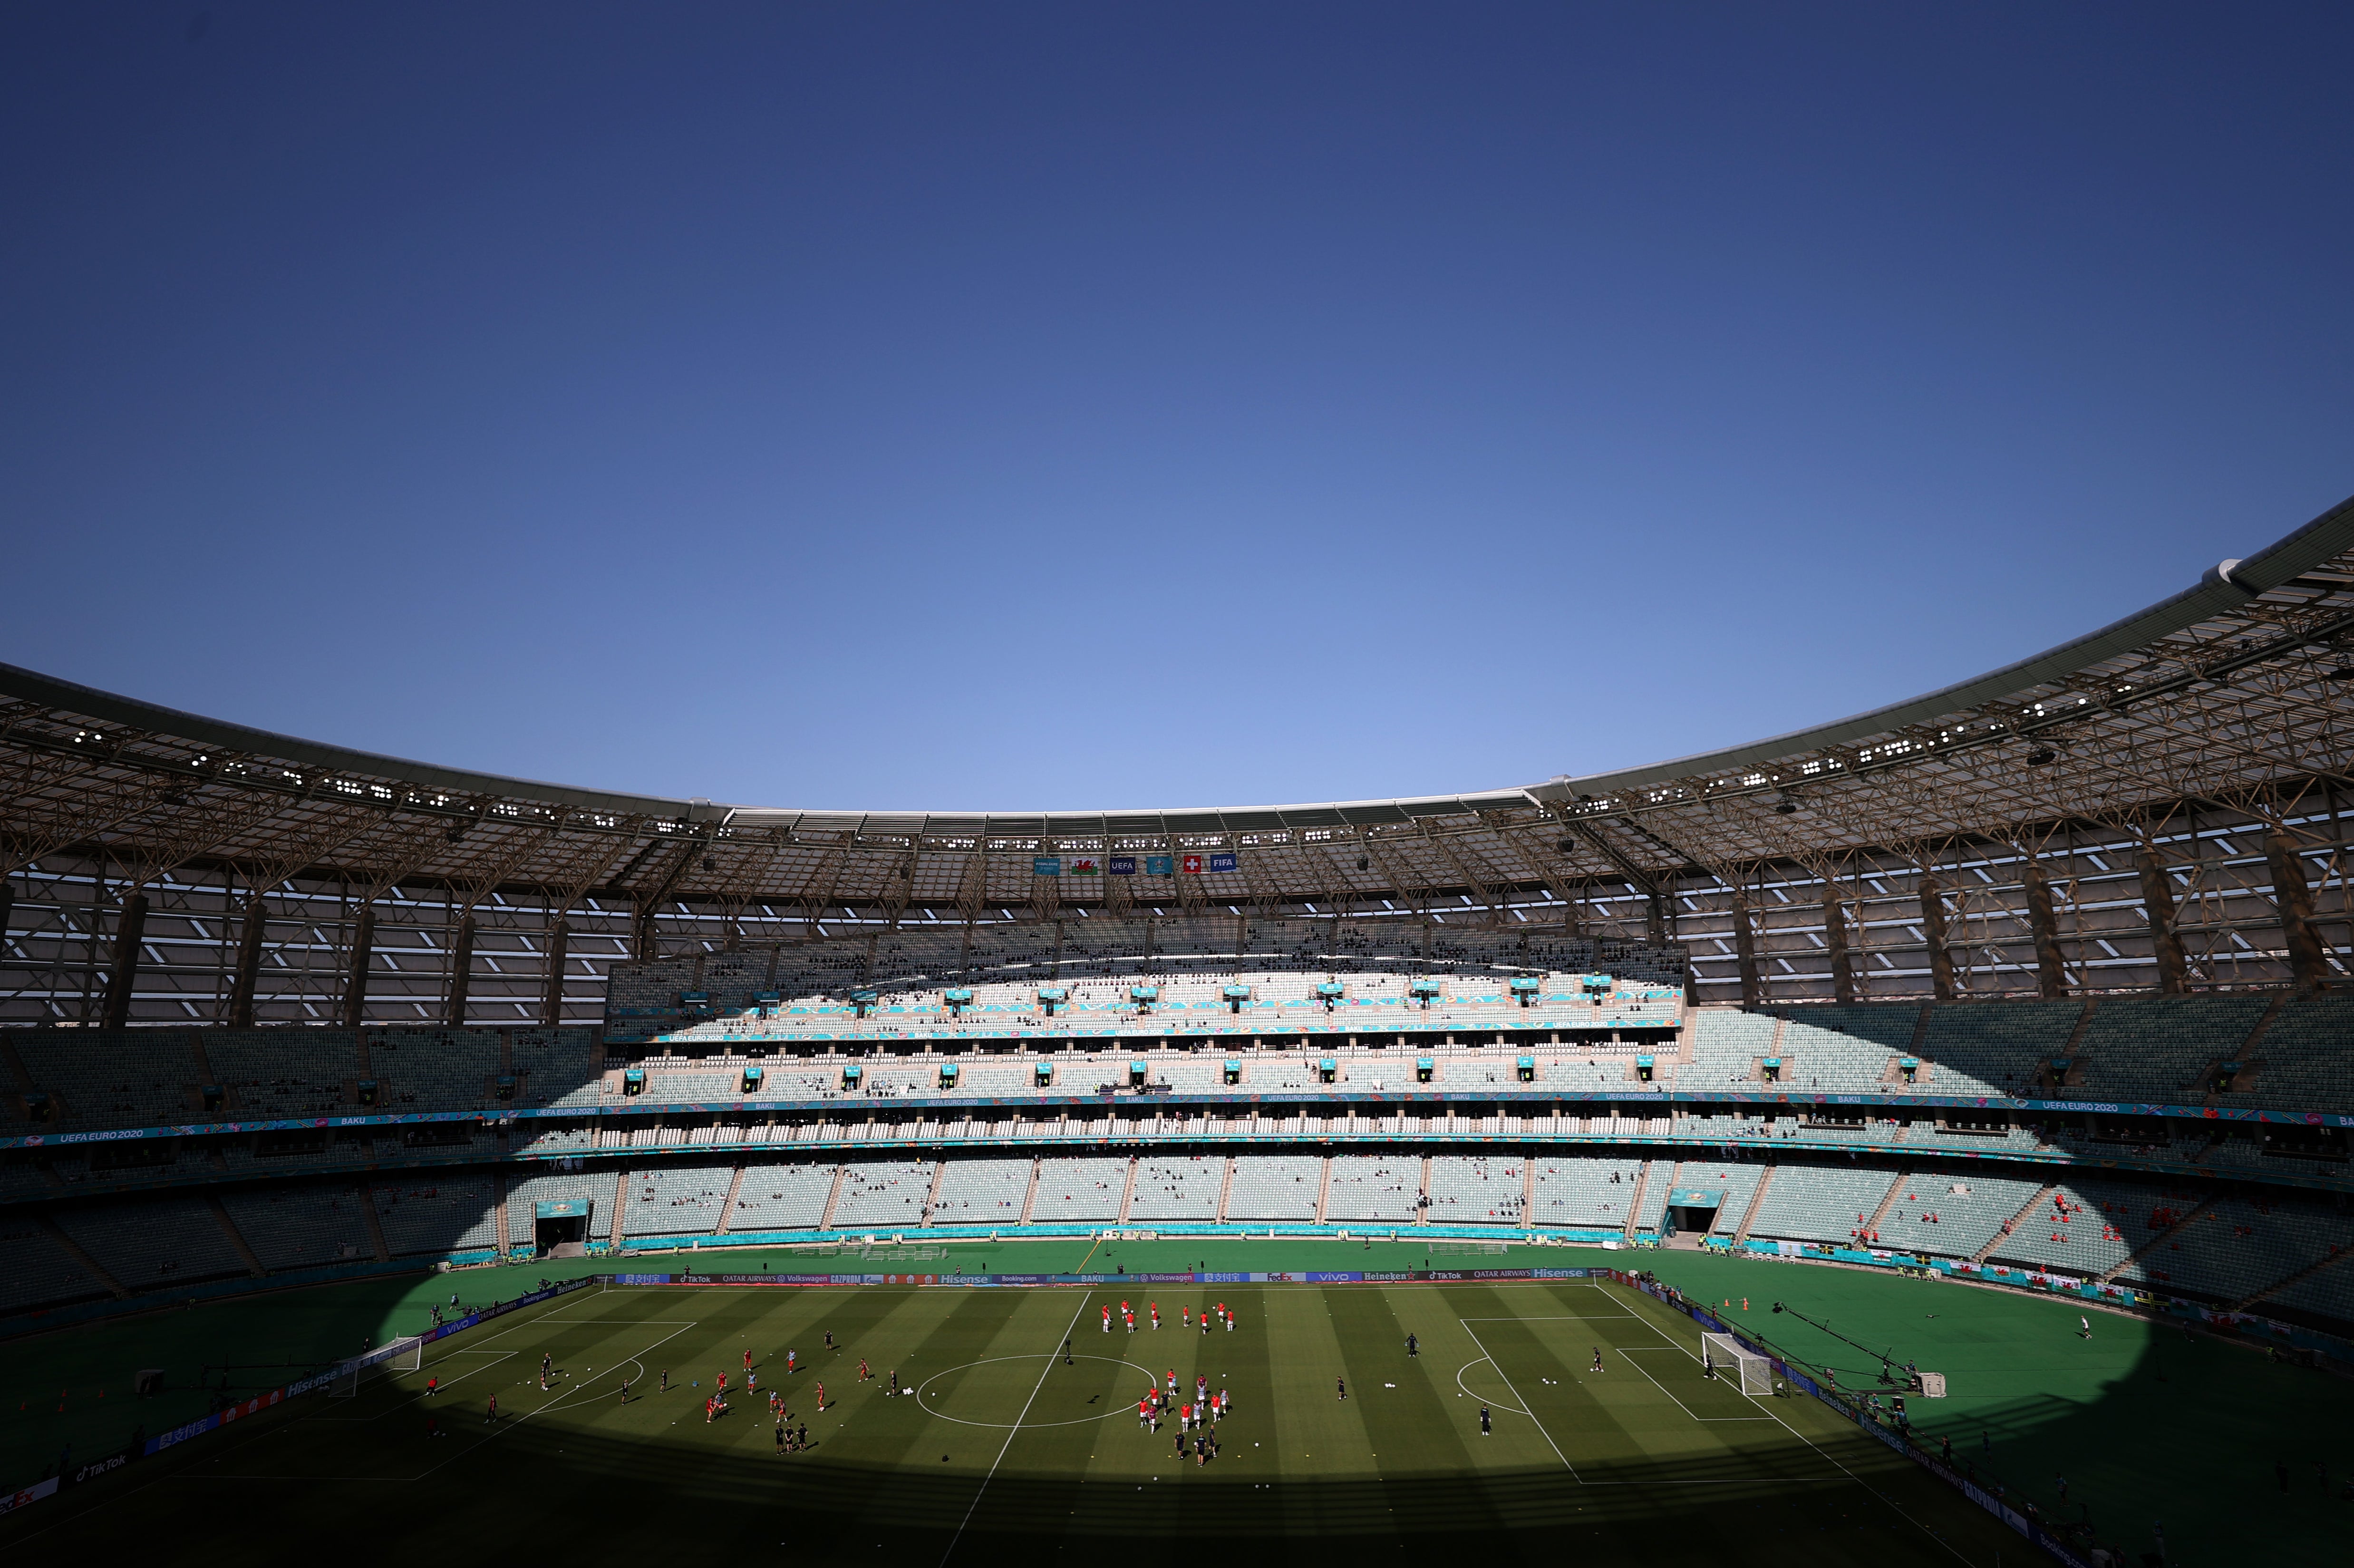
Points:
[(2159, 805)]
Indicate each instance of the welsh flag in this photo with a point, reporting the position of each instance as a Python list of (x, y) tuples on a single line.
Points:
[(1084, 868)]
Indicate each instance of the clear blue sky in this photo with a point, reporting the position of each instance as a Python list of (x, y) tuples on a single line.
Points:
[(1016, 406)]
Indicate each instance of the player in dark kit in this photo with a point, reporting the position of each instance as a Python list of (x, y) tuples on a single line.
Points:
[(1413, 1346), (1341, 1387)]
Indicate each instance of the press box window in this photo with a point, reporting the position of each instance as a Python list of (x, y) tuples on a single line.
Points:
[(1328, 1070), (1423, 1068)]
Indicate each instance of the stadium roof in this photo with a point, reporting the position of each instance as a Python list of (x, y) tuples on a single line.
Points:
[(2231, 691)]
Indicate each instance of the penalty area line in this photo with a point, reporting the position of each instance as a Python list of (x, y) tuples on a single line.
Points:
[(1893, 1505)]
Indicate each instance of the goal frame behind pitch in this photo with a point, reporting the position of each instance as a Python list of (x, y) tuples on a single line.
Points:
[(401, 1356), (1731, 1357)]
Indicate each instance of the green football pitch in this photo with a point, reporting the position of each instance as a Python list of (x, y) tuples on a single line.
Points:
[(1002, 1445)]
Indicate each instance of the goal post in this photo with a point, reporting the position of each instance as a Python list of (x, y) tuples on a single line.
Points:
[(1725, 1357), (401, 1356)]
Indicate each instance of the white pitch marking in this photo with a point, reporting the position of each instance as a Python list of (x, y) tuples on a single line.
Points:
[(1663, 1388), (1068, 1330)]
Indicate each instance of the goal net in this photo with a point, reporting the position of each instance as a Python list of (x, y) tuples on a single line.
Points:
[(1725, 1357), (401, 1356)]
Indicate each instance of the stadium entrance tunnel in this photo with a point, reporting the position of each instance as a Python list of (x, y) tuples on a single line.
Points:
[(1692, 1220), (570, 1233)]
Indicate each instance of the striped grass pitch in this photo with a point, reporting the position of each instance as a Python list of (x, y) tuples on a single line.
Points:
[(1002, 1449)]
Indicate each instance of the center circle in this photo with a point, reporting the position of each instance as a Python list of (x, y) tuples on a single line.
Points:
[(924, 1397)]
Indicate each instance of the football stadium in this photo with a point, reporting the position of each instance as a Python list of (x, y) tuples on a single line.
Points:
[(1868, 1144)]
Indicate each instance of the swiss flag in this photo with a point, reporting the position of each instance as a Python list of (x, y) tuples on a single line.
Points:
[(1193, 863)]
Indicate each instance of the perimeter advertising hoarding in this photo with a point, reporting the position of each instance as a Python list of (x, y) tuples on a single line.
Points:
[(1402, 1276)]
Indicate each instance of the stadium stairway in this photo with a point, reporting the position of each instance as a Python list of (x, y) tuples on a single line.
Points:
[(2157, 1239), (205, 1074), (1756, 1205), (1422, 1208), (1634, 1206), (1225, 1187), (236, 1243), (1128, 1191), (833, 1197), (376, 1243), (2249, 1052), (1895, 1188), (932, 1195), (2026, 1211), (74, 1250), (1030, 1197), (2319, 1265), (735, 1186), (620, 1201), (1323, 1191)]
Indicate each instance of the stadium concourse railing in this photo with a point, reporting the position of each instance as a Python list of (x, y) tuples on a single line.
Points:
[(925, 1128)]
